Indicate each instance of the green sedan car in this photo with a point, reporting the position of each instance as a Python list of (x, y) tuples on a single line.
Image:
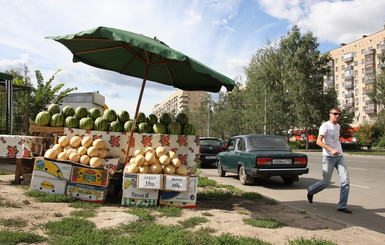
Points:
[(261, 156)]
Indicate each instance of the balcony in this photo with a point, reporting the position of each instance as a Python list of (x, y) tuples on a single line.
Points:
[(349, 104), (369, 70), (348, 57), (348, 85), (369, 102), (369, 62), (369, 52), (349, 95), (382, 46), (368, 80), (370, 109), (330, 82), (349, 68), (348, 75)]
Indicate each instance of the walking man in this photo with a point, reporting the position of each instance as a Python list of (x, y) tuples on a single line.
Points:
[(328, 139)]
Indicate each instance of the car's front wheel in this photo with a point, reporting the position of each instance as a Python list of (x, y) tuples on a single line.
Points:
[(243, 177), (221, 172)]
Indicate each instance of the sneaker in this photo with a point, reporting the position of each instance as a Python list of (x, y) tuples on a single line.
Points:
[(344, 210), (310, 197)]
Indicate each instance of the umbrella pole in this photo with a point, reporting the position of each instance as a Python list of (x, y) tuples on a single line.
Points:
[(130, 141)]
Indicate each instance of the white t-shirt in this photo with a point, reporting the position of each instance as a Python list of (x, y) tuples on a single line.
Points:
[(331, 133)]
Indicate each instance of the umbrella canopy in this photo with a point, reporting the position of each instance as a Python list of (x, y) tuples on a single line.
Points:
[(143, 57)]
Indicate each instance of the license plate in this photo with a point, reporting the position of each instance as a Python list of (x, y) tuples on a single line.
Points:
[(281, 161), (211, 157)]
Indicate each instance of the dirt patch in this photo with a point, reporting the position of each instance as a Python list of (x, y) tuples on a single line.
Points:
[(223, 216)]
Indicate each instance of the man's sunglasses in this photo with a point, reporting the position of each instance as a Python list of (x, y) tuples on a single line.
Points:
[(335, 113)]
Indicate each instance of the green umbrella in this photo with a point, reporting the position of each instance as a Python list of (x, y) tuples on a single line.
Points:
[(143, 57)]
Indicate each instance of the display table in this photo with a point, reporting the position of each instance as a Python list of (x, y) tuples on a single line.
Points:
[(21, 149), (185, 146)]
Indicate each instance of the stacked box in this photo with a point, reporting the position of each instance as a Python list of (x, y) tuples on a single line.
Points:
[(181, 199), (133, 196), (89, 184), (87, 193), (50, 176)]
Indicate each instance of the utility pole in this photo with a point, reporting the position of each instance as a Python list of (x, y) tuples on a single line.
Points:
[(208, 119)]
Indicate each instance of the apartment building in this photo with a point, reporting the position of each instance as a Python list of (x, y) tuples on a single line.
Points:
[(354, 67), (179, 101)]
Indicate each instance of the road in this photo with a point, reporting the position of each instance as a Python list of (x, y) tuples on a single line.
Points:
[(366, 199)]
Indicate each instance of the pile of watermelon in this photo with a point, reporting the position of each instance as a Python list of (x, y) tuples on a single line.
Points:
[(109, 120)]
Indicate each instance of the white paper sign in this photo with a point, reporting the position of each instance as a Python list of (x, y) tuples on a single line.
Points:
[(150, 181), (176, 183)]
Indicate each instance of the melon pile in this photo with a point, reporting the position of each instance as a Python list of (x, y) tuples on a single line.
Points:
[(84, 150), (155, 161)]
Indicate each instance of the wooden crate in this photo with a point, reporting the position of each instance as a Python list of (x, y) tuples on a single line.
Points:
[(34, 128)]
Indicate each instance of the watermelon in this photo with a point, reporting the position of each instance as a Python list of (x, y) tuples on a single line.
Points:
[(181, 118), (128, 125), (86, 123), (94, 113), (144, 128), (53, 109), (123, 116), (174, 128), (43, 118), (101, 124), (81, 112), (71, 122), (110, 115), (141, 118), (159, 128), (152, 119), (68, 111), (57, 120), (188, 129), (116, 126), (165, 118)]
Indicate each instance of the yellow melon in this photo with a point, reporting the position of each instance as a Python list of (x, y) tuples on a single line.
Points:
[(58, 148), (96, 162), (164, 160), (93, 151), (63, 141), (131, 169), (103, 153), (150, 157), (156, 168), (181, 170), (51, 153), (87, 141), (144, 169), (138, 152), (99, 143), (62, 156), (74, 157), (139, 160), (169, 169), (82, 150), (160, 151), (176, 162), (85, 159), (75, 141), (171, 155)]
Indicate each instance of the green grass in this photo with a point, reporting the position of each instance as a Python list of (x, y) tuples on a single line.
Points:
[(5, 173), (44, 197), (168, 211), (85, 213), (17, 237), (313, 241), (7, 204), (264, 223), (13, 223), (207, 214), (251, 195), (143, 213), (85, 205), (192, 222)]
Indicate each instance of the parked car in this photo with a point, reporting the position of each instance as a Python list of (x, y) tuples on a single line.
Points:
[(209, 147), (261, 156)]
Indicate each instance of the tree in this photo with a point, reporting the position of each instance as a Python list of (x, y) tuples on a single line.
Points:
[(364, 135), (44, 94)]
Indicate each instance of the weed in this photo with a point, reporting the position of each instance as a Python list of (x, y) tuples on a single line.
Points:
[(215, 194), (204, 181), (193, 221), (15, 223), (243, 212), (169, 211), (57, 214), (251, 195), (26, 202), (16, 237), (142, 213), (83, 213), (313, 241), (85, 205), (69, 226), (44, 197), (8, 204), (5, 173), (264, 223), (207, 214)]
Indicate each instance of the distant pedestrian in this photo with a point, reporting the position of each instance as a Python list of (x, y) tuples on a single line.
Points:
[(328, 139)]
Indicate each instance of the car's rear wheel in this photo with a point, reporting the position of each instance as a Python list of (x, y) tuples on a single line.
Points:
[(243, 177), (221, 172)]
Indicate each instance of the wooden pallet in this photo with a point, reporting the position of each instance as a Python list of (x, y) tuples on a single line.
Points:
[(34, 128)]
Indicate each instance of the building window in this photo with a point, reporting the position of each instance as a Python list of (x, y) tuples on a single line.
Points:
[(343, 67), (337, 77), (356, 72), (336, 68), (337, 86), (362, 51), (355, 63), (363, 71), (336, 60)]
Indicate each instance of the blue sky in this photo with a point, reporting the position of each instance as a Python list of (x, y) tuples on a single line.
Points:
[(222, 34)]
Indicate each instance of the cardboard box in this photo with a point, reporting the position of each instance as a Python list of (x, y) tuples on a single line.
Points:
[(52, 169), (150, 181), (181, 199), (90, 176), (175, 183), (87, 193), (48, 185), (134, 197), (134, 202)]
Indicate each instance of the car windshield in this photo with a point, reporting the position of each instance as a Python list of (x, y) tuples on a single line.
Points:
[(209, 142), (267, 144)]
